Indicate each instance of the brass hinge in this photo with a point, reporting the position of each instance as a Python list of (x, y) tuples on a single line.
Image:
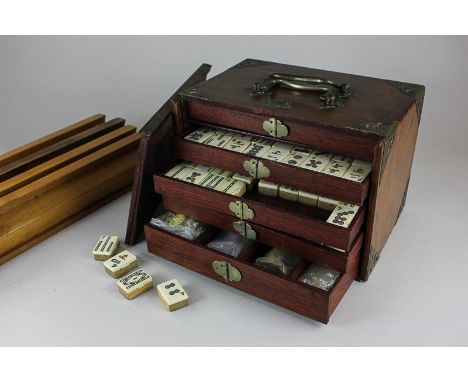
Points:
[(241, 210), (256, 168), (275, 128), (226, 270), (245, 229)]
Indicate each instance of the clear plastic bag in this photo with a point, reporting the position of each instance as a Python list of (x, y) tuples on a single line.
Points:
[(278, 261), (179, 224), (230, 243), (319, 276)]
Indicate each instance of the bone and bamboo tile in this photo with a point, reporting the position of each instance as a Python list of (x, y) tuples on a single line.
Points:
[(307, 198), (295, 159), (175, 170), (200, 135), (135, 284), (288, 193), (106, 247), (268, 188), (172, 295), (315, 163), (212, 181), (256, 149), (219, 139), (342, 158), (236, 188), (343, 214), (120, 264), (248, 180), (276, 154), (191, 175), (336, 168), (238, 143), (357, 173)]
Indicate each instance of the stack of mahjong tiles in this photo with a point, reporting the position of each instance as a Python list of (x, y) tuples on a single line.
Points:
[(305, 157), (342, 213), (211, 177)]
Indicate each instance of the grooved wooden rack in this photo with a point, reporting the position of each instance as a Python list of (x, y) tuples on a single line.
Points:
[(52, 182)]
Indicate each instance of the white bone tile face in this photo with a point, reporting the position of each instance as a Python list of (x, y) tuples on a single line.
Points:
[(200, 135), (337, 169), (219, 139), (315, 163), (256, 149), (106, 247), (120, 264), (357, 173), (191, 175), (135, 284), (295, 159), (172, 295), (343, 214)]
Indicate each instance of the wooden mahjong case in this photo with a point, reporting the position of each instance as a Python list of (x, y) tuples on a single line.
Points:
[(363, 128)]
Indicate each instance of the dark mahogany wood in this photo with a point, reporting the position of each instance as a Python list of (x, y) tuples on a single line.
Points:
[(306, 249), (280, 173), (154, 151), (291, 217), (347, 143), (283, 291)]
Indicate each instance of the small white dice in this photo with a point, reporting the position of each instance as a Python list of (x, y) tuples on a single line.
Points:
[(172, 295), (106, 247)]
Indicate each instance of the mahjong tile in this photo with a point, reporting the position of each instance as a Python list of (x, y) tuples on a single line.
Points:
[(342, 158), (200, 135), (262, 141), (276, 154), (135, 284), (268, 188), (315, 163), (219, 139), (358, 162), (337, 169), (172, 295), (212, 181), (283, 146), (236, 188), (302, 150), (322, 154), (343, 214), (357, 173), (295, 159), (248, 180), (106, 247), (238, 143), (327, 204), (175, 170), (256, 149), (120, 264), (288, 193), (192, 175), (307, 198)]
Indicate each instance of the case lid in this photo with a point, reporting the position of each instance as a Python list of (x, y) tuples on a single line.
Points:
[(311, 96)]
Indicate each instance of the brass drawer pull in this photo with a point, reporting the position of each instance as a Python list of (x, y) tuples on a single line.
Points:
[(241, 210), (256, 169), (275, 128), (245, 229), (226, 270)]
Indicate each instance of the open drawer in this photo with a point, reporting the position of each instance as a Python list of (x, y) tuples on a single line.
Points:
[(282, 215), (272, 171), (243, 274), (308, 250)]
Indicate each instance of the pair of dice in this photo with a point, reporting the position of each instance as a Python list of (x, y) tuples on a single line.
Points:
[(138, 281)]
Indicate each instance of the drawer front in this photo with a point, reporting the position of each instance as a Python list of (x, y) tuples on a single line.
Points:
[(290, 217), (306, 249), (280, 173), (323, 136), (288, 293)]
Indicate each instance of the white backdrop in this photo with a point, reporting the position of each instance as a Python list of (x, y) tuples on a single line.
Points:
[(55, 294)]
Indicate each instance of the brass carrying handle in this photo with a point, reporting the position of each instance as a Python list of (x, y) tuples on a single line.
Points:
[(332, 93)]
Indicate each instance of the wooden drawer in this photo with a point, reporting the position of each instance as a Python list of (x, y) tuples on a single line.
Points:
[(303, 133), (280, 173), (284, 291), (308, 250), (282, 215)]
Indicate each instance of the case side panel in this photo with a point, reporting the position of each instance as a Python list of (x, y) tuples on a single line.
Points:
[(389, 190)]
